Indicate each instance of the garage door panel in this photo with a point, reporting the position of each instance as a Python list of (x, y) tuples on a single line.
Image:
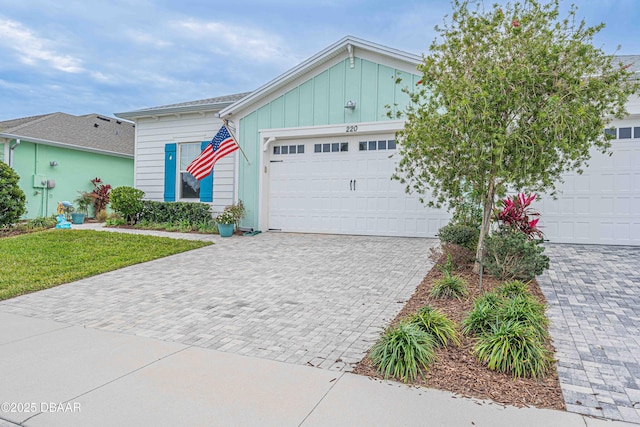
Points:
[(345, 192), (601, 206)]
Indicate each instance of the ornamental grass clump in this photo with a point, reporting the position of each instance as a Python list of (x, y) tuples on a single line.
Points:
[(434, 322), (513, 288), (483, 316), (449, 287), (526, 310), (513, 347), (402, 350)]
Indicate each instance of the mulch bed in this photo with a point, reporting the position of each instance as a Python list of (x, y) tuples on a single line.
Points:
[(457, 369)]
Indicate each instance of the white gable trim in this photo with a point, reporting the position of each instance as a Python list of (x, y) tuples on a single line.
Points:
[(348, 46)]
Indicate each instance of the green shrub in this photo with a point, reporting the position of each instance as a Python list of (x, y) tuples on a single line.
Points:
[(526, 310), (402, 350), (127, 201), (512, 255), (449, 287), (174, 212), (42, 222), (513, 347), (434, 322), (497, 307), (513, 288), (208, 227), (114, 222), (483, 316), (12, 198), (468, 212), (459, 234), (448, 266)]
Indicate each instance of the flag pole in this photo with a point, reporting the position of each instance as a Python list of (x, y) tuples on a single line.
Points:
[(225, 122)]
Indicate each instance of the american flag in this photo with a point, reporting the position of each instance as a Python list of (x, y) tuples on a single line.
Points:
[(221, 145)]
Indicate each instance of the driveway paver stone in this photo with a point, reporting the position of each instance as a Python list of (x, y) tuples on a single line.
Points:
[(593, 294), (307, 299)]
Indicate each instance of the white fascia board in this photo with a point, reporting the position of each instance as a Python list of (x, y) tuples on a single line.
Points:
[(319, 58), (65, 145), (156, 112)]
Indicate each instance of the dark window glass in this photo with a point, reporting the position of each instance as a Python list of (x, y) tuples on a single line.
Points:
[(317, 148), (382, 145), (335, 147), (610, 132), (300, 149), (362, 146), (189, 186), (292, 149), (344, 146), (624, 133), (636, 132), (326, 148), (276, 149), (391, 144), (284, 149), (372, 145)]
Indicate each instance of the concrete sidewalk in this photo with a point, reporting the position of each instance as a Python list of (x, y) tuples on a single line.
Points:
[(56, 374)]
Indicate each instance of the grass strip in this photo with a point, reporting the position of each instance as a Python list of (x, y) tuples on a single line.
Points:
[(36, 261)]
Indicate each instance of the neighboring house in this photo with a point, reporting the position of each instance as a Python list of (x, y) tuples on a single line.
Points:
[(322, 150), (58, 154), (168, 138)]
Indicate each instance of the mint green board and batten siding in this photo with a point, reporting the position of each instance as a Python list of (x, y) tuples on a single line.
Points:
[(74, 172), (316, 102)]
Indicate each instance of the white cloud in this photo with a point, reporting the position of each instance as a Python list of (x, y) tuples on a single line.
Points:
[(237, 41), (147, 39), (33, 50)]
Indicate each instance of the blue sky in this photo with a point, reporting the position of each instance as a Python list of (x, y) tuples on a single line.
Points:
[(94, 56)]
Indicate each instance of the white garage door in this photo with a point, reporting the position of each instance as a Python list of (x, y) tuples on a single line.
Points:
[(601, 206), (344, 186)]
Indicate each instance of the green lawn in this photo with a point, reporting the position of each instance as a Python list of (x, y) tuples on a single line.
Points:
[(31, 262)]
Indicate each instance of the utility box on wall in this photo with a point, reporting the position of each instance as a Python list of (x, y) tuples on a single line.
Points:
[(51, 183), (39, 181)]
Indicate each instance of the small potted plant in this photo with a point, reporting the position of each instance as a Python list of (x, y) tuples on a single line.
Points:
[(83, 201), (226, 221)]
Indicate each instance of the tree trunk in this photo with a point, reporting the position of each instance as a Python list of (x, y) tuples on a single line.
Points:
[(486, 221)]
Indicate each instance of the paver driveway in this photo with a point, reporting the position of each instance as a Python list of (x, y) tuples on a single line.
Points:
[(298, 298), (594, 309)]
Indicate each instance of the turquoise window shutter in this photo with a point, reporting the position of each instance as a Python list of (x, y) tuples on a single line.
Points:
[(170, 163), (206, 183)]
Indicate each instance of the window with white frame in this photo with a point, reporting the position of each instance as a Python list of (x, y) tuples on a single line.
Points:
[(188, 186), (625, 132)]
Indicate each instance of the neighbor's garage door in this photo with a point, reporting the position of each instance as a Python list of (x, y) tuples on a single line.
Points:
[(601, 206), (344, 186)]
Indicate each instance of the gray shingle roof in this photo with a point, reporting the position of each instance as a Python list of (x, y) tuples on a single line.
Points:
[(90, 131), (633, 60), (208, 101), (216, 103)]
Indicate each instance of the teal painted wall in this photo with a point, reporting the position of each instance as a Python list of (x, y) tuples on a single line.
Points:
[(320, 101), (74, 171)]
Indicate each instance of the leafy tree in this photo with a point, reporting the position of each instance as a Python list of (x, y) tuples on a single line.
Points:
[(12, 198), (509, 97)]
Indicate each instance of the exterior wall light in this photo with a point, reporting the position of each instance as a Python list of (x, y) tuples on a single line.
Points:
[(350, 105), (53, 163)]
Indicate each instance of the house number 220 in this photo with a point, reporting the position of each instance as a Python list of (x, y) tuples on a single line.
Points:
[(352, 129)]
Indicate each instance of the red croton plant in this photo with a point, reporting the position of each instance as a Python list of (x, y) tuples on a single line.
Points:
[(516, 212), (100, 194)]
